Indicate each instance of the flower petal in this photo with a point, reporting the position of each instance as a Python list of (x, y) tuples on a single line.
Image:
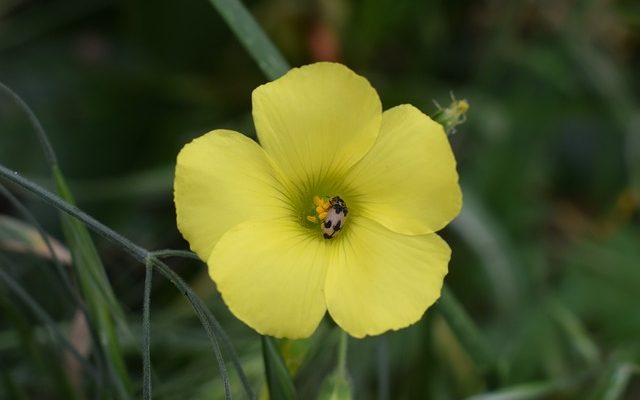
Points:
[(408, 181), (380, 280), (317, 121), (223, 178), (271, 276)]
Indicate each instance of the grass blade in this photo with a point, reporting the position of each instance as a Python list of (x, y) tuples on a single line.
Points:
[(102, 304), (252, 37), (620, 380), (614, 381)]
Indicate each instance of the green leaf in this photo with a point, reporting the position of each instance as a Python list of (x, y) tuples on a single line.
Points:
[(252, 37), (278, 378), (103, 306)]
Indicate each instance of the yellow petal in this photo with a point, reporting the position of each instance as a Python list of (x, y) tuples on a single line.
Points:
[(408, 181), (271, 276), (317, 121), (380, 280), (222, 178)]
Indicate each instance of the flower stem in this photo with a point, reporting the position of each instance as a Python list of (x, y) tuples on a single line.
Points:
[(341, 368), (337, 385)]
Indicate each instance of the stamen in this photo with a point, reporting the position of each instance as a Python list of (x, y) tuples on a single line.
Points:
[(322, 209)]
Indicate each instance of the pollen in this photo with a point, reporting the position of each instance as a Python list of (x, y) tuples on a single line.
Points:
[(322, 206)]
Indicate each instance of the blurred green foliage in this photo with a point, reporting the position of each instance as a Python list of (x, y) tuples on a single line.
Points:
[(546, 253)]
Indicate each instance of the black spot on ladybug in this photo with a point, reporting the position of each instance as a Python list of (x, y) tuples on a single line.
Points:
[(327, 224)]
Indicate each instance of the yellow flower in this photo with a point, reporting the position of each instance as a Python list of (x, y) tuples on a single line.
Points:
[(257, 213)]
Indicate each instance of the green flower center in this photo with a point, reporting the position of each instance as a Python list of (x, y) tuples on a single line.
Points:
[(322, 200)]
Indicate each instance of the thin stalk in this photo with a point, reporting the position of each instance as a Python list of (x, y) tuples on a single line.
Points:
[(341, 368), (203, 313), (175, 253), (382, 361), (40, 133), (146, 333)]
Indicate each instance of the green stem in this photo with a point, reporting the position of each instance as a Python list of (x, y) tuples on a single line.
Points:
[(342, 353), (175, 253), (146, 333), (210, 324)]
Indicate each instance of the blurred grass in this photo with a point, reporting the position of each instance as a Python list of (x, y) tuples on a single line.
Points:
[(545, 253)]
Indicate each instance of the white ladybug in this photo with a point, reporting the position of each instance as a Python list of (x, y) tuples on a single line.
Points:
[(336, 215)]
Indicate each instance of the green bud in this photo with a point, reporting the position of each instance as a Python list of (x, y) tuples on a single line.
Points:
[(453, 115)]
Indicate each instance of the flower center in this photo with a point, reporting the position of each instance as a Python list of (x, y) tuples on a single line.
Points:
[(331, 213)]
